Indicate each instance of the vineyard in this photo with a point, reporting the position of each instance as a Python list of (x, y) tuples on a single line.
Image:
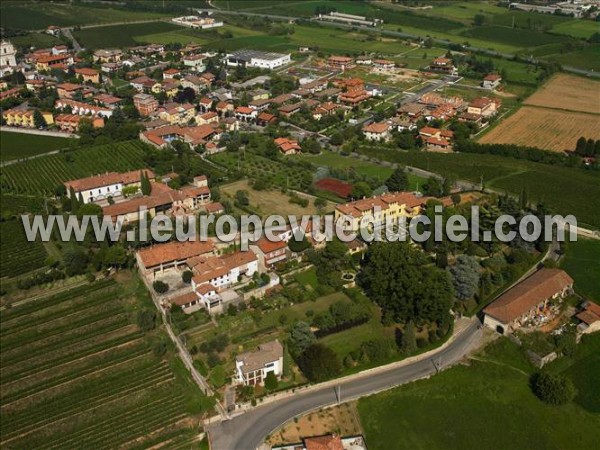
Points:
[(18, 256), (76, 373), (18, 204), (42, 175)]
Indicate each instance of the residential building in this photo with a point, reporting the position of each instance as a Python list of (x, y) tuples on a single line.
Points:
[(83, 109), (220, 272), (270, 252), (109, 101), (340, 62), (289, 110), (145, 104), (175, 254), (195, 62), (245, 114), (443, 65), (377, 131), (70, 122), (53, 62), (492, 81), (162, 199), (288, 146), (251, 368), (177, 113), (88, 75), (484, 106), (374, 211), (107, 56), (70, 90), (99, 187), (169, 74), (528, 302), (193, 136), (589, 318), (384, 64), (256, 58), (19, 117), (326, 442), (207, 117)]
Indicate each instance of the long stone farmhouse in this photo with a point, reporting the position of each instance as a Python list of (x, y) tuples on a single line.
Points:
[(527, 299)]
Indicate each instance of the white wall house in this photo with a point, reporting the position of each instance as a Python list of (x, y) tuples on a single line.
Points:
[(100, 187), (252, 368)]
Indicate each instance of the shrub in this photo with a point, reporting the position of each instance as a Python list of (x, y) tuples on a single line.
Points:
[(146, 319), (186, 276), (553, 389), (271, 382), (159, 349), (160, 287), (421, 342), (319, 363)]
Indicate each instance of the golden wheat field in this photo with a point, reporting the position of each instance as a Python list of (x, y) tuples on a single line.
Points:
[(544, 128), (568, 92)]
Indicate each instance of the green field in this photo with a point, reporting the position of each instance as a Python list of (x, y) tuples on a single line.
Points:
[(78, 373), (18, 255), (37, 40), (577, 28), (587, 58), (558, 187), (487, 404), (121, 35), (511, 36), (32, 16), (21, 145), (42, 175), (582, 262)]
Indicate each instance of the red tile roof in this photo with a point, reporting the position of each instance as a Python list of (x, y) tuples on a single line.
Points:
[(106, 179), (528, 293), (172, 251)]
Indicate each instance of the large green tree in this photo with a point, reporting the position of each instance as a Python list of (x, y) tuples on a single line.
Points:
[(319, 363), (465, 276), (398, 181), (401, 280)]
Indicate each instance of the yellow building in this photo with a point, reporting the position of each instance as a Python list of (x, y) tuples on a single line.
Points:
[(376, 210), (19, 118), (177, 114)]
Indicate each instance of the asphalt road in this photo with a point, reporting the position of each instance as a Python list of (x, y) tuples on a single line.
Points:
[(247, 431)]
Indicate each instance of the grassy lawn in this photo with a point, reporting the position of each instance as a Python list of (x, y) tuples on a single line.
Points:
[(307, 278), (582, 262), (349, 340), (272, 201), (487, 404), (20, 145)]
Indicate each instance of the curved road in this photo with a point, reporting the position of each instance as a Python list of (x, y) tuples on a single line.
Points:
[(248, 430)]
